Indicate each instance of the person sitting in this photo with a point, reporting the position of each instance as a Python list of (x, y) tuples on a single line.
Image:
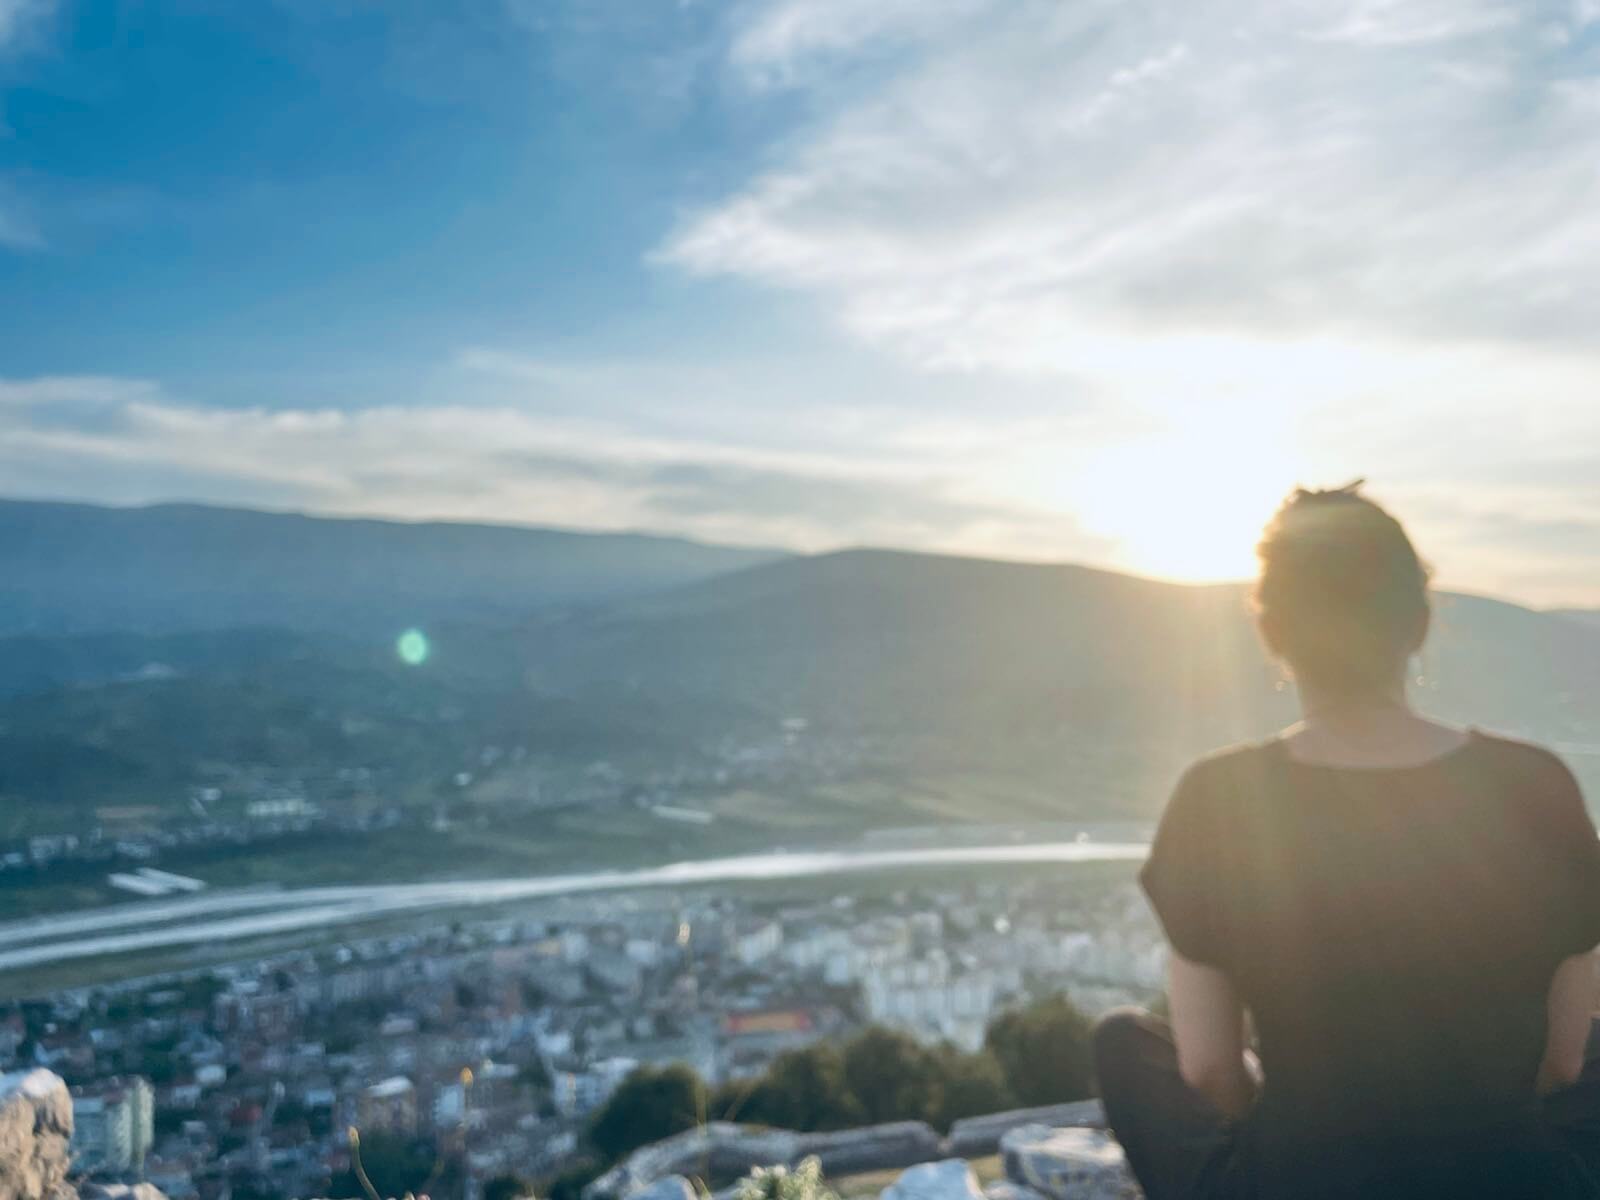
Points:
[(1382, 927)]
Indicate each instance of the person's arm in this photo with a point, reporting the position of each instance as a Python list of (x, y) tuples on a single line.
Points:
[(1208, 1026), (1574, 993)]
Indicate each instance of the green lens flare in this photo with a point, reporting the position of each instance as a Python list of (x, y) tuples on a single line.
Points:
[(413, 647)]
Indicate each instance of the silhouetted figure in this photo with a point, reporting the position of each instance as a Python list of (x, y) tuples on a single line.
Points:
[(1406, 911)]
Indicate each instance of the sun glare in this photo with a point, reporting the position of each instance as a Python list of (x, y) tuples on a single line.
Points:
[(1188, 505), (412, 647)]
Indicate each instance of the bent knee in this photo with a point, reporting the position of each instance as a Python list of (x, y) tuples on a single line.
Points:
[(1120, 1030)]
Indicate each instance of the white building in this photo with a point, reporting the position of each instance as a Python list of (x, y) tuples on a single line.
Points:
[(579, 1092), (113, 1126), (757, 942), (926, 997)]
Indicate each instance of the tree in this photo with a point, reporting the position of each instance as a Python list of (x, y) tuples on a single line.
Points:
[(893, 1076), (802, 1089), (396, 1165), (1044, 1051), (650, 1104), (507, 1187), (569, 1184), (973, 1085), (533, 1074)]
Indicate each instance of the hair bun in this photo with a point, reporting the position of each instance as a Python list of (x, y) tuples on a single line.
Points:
[(1341, 588)]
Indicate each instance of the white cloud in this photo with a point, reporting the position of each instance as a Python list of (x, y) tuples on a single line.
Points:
[(128, 441), (74, 391), (1512, 507), (775, 42), (1028, 186), (1288, 246), (1412, 22)]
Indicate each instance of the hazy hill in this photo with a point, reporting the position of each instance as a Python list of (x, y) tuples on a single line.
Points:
[(1004, 655), (167, 568), (1065, 677), (1588, 616)]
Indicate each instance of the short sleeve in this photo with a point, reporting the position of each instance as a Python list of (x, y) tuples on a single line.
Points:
[(1574, 854), (1182, 875)]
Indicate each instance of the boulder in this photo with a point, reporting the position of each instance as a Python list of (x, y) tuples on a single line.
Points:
[(714, 1153), (872, 1147), (721, 1152), (975, 1137), (950, 1179), (673, 1187), (120, 1191), (1068, 1164), (1004, 1189), (35, 1133)]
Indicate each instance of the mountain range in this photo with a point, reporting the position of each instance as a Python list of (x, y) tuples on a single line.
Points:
[(80, 568), (582, 647)]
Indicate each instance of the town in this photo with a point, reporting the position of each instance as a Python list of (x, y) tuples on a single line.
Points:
[(493, 1041)]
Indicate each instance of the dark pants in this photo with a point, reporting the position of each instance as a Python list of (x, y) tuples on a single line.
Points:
[(1179, 1146)]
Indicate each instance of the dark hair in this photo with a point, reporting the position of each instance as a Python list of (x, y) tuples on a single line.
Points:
[(1342, 596)]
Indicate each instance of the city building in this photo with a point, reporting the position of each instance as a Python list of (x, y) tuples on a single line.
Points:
[(113, 1126)]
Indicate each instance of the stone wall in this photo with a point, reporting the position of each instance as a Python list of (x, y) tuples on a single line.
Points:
[(721, 1152)]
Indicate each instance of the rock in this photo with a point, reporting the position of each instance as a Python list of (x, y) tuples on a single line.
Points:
[(35, 1133), (950, 1179), (872, 1148), (120, 1191), (721, 1152), (1068, 1164), (673, 1187), (975, 1137), (1004, 1189)]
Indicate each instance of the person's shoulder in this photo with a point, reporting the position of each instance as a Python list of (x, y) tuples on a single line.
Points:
[(1515, 760), (1225, 776), (1535, 781), (1239, 763)]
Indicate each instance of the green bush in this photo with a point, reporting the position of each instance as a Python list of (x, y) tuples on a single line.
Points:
[(893, 1076), (1038, 1054), (569, 1183), (652, 1103), (972, 1085), (508, 1187), (802, 1089), (1044, 1051)]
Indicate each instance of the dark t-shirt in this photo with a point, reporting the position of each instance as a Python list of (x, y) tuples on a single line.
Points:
[(1393, 932)]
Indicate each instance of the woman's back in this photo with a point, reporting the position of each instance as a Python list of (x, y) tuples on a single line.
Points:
[(1392, 931)]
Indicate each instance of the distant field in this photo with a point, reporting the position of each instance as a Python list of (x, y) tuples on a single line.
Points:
[(496, 842)]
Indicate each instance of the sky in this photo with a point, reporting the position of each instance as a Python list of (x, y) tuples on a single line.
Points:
[(1093, 281)]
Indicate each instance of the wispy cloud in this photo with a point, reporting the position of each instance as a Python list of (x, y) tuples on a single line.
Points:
[(776, 43), (1415, 22), (1512, 509), (1090, 280), (1049, 175), (1297, 243), (127, 441)]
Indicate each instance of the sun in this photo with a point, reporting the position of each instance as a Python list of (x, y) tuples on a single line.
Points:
[(1186, 505)]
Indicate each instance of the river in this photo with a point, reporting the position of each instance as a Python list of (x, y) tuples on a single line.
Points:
[(230, 916)]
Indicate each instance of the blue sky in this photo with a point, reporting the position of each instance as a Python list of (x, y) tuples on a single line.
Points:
[(1092, 281)]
